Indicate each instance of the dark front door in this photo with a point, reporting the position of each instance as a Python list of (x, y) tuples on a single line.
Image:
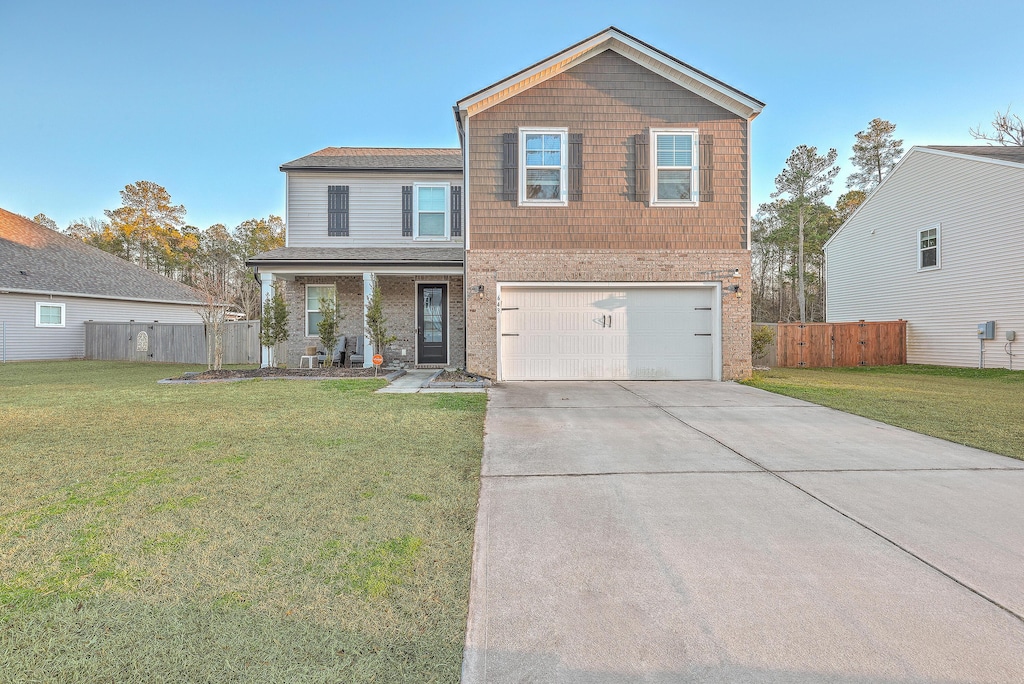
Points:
[(431, 323)]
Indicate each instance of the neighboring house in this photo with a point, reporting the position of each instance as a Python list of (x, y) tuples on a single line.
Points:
[(938, 244), (50, 284), (602, 234)]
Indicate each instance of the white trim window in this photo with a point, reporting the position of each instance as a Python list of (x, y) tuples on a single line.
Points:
[(674, 161), (314, 294), (49, 315), (431, 211), (543, 166), (929, 257)]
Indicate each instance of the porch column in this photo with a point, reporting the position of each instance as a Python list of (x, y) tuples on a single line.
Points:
[(367, 293), (266, 292)]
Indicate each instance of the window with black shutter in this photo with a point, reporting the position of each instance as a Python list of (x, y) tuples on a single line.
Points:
[(575, 167)]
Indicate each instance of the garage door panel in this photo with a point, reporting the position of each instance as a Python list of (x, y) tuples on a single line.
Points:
[(608, 333)]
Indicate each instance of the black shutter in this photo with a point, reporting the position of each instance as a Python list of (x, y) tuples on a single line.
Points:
[(406, 211), (509, 178), (641, 148), (456, 211), (337, 210), (707, 167), (575, 167)]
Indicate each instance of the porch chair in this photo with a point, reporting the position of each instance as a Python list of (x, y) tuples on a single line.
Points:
[(357, 356), (339, 355)]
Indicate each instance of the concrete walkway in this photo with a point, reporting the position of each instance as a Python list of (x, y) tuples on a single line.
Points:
[(414, 380), (711, 532)]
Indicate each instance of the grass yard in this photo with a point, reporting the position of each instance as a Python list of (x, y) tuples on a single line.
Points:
[(980, 408), (259, 531)]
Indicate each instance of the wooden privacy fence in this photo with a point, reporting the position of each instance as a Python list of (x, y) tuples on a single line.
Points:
[(169, 342), (824, 345)]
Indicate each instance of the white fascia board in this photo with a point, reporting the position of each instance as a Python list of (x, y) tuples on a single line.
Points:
[(971, 157), (677, 72), (86, 295)]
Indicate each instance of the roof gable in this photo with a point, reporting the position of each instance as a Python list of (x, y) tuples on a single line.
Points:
[(651, 58), (976, 153), (37, 259)]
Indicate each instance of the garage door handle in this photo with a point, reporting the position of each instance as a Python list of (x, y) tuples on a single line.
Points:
[(702, 334), (510, 334)]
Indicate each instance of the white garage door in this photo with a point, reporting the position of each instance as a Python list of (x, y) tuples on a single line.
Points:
[(628, 333)]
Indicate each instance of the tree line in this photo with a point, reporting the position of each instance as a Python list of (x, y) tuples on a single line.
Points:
[(149, 230), (788, 234)]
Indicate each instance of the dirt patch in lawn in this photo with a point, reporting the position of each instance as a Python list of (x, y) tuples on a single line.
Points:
[(457, 375), (241, 373)]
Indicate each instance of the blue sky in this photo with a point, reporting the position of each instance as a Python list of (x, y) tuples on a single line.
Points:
[(210, 98)]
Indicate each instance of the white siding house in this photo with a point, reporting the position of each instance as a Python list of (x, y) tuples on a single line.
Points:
[(50, 285), (940, 244)]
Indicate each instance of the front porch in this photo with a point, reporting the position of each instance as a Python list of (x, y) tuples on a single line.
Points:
[(424, 313), (421, 294)]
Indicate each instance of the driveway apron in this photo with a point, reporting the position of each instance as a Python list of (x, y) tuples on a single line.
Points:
[(711, 532)]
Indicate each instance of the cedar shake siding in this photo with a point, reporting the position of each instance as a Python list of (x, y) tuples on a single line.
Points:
[(608, 99)]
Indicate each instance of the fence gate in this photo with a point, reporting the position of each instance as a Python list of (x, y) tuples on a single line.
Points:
[(825, 345)]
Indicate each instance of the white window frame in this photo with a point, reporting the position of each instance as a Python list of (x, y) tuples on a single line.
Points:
[(416, 211), (694, 168), (305, 305), (58, 305), (937, 227), (563, 190)]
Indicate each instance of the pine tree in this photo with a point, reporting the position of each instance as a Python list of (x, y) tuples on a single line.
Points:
[(875, 153)]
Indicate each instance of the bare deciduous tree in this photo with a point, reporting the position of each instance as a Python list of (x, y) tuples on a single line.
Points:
[(1007, 129)]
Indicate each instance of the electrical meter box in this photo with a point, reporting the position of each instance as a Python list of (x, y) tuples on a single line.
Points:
[(1011, 335), (987, 330)]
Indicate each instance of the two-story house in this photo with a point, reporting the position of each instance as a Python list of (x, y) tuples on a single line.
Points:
[(595, 225)]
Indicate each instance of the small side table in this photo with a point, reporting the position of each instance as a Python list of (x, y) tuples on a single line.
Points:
[(312, 359)]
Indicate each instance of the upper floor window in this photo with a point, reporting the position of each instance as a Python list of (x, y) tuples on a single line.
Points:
[(314, 295), (543, 163), (675, 166), (431, 211), (928, 256), (49, 315)]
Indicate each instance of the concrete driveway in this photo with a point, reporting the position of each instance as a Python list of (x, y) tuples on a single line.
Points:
[(711, 532)]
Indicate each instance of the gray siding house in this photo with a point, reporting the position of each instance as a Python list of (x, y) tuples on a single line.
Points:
[(940, 244), (51, 284)]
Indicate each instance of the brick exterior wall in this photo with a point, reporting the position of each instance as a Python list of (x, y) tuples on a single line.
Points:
[(399, 295), (490, 267)]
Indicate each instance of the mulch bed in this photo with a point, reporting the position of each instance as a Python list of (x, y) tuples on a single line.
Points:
[(235, 374)]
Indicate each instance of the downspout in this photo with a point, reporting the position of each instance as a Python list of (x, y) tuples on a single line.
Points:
[(463, 129)]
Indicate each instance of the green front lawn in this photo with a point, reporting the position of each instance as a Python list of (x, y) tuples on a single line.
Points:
[(980, 408), (251, 531)]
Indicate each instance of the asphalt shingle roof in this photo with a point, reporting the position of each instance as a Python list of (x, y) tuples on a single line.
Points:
[(380, 159), (1008, 153), (38, 259), (360, 255)]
